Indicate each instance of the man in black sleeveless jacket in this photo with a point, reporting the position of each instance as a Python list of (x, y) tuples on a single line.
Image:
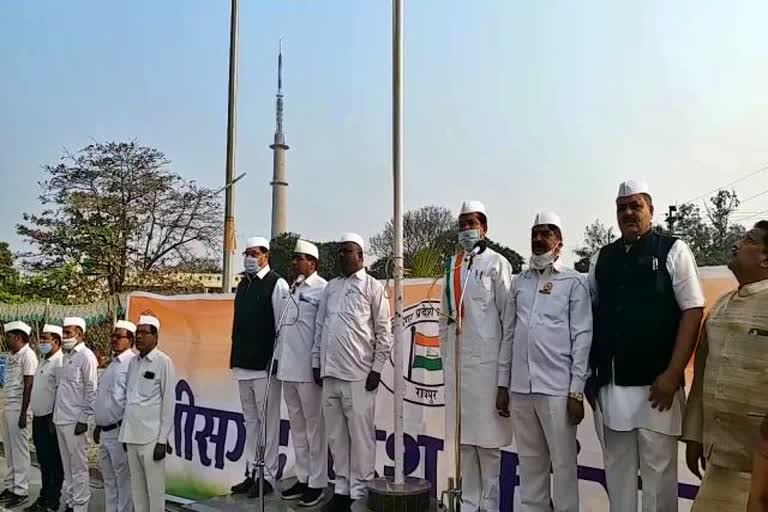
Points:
[(648, 304), (258, 303)]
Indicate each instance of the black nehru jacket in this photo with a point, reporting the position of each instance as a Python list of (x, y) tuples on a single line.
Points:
[(636, 316), (253, 329)]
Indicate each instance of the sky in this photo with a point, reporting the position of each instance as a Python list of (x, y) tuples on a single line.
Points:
[(526, 106)]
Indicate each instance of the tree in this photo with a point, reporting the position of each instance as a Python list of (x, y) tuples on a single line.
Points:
[(428, 227), (596, 236), (724, 232), (512, 256), (117, 209)]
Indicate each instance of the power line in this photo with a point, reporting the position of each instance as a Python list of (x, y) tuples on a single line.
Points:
[(759, 194), (758, 214), (729, 184)]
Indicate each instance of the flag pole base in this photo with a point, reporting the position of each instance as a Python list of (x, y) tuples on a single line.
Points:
[(386, 496)]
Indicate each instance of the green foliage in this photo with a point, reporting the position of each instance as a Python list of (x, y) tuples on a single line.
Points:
[(596, 236), (427, 262), (281, 255)]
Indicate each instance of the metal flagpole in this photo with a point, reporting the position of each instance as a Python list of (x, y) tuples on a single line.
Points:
[(229, 202)]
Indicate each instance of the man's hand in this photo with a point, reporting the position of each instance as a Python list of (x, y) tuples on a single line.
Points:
[(664, 389), (160, 451), (590, 392), (80, 428), (694, 455), (97, 434), (316, 376), (502, 402), (22, 421), (372, 382), (575, 410)]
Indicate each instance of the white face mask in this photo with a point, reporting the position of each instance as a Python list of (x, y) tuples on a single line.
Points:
[(469, 238), (251, 265), (68, 343), (542, 261)]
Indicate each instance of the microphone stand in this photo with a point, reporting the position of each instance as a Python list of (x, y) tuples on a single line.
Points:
[(261, 440), (455, 483)]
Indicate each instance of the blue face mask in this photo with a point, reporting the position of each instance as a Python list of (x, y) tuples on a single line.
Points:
[(45, 348), (469, 238)]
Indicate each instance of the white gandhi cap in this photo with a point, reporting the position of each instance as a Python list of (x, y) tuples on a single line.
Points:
[(472, 207), (149, 320), (548, 218), (632, 187), (257, 241), (125, 324), (17, 325), (355, 238), (74, 321), (53, 329), (304, 247)]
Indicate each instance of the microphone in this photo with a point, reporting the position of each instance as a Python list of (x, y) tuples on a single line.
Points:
[(297, 282), (477, 249)]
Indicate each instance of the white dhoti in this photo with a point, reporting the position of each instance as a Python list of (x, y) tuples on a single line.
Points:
[(16, 445), (545, 437), (349, 412), (480, 471), (252, 402), (76, 490), (147, 478), (305, 410), (113, 461), (656, 456)]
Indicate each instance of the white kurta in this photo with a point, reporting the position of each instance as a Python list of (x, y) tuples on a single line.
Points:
[(485, 299)]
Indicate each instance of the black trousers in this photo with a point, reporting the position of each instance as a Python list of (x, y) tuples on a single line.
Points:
[(47, 448)]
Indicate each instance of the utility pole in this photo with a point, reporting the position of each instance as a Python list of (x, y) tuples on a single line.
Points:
[(229, 201)]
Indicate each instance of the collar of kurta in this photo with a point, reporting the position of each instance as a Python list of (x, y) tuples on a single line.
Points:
[(753, 288), (359, 274), (59, 354), (122, 356), (261, 273), (77, 348), (311, 279), (150, 356)]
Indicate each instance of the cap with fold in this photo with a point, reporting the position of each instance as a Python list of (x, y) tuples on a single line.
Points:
[(125, 324), (149, 320), (53, 329), (548, 218), (257, 241), (17, 325), (74, 321), (353, 237), (632, 187), (472, 207), (304, 247)]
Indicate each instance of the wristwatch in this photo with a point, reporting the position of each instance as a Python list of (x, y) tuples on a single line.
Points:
[(576, 396)]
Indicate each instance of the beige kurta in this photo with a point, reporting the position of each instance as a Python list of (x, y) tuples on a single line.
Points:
[(729, 396)]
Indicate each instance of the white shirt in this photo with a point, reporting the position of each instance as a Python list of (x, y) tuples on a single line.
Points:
[(150, 401), (626, 408), (545, 350), (298, 332), (279, 294), (76, 387), (353, 333), (44, 385), (21, 364), (110, 399)]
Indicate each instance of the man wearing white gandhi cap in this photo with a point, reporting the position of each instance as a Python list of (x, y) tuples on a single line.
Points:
[(487, 276), (303, 398), (75, 399), (258, 303), (544, 360), (647, 306), (148, 418), (108, 414), (353, 337), (22, 365)]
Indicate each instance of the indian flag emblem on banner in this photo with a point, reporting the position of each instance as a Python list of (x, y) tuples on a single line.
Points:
[(426, 351)]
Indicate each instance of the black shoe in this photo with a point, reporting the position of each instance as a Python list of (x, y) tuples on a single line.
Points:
[(295, 492), (6, 495), (39, 505), (311, 497), (16, 501), (254, 492), (339, 503), (244, 486)]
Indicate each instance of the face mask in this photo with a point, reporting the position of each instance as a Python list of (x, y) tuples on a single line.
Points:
[(45, 348), (542, 261), (251, 265), (68, 343), (469, 238)]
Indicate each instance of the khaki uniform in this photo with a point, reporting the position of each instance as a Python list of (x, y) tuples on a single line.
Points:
[(729, 396)]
